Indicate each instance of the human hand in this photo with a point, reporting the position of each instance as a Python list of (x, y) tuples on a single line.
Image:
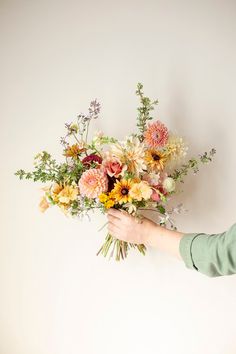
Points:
[(126, 227)]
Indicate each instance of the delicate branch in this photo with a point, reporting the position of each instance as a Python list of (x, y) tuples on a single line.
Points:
[(192, 164), (144, 110)]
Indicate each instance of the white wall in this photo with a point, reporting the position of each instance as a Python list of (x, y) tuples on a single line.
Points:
[(56, 296)]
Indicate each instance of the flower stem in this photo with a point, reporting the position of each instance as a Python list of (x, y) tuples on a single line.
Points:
[(120, 248)]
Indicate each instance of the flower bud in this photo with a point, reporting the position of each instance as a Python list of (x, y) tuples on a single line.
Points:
[(169, 184)]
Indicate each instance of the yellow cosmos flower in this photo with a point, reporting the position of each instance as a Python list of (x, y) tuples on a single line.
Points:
[(121, 191), (156, 159)]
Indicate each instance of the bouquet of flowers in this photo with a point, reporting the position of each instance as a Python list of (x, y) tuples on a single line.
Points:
[(140, 173)]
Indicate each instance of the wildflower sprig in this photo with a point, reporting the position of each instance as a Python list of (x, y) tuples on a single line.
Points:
[(192, 165), (144, 110)]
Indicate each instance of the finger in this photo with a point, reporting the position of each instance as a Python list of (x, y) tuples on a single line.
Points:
[(113, 230), (114, 219), (114, 212)]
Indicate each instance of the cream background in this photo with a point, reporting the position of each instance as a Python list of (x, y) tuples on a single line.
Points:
[(56, 296)]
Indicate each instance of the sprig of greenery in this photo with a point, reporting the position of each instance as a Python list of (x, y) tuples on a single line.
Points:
[(46, 169), (192, 164), (144, 110)]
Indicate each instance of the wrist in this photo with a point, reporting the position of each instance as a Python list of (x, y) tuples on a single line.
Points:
[(151, 234)]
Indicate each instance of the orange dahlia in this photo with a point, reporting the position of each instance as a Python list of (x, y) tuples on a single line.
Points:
[(93, 182), (156, 134)]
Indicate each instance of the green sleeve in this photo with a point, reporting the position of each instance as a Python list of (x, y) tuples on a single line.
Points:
[(213, 255)]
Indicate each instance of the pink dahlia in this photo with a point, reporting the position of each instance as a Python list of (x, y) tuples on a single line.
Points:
[(92, 183), (156, 134)]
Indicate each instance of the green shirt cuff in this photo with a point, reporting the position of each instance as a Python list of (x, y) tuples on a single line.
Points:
[(185, 249)]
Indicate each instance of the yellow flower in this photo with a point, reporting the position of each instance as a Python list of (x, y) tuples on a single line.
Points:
[(55, 190), (109, 204), (68, 194), (121, 191), (43, 205), (141, 191), (103, 197), (155, 159)]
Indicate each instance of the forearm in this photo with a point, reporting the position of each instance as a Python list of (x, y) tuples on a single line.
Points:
[(164, 240), (213, 255)]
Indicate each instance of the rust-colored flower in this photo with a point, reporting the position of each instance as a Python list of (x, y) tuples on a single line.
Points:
[(73, 151)]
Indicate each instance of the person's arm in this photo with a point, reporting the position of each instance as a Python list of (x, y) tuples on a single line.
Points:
[(212, 255)]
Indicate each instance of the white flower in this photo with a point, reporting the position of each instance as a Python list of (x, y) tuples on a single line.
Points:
[(169, 184), (97, 139), (130, 208)]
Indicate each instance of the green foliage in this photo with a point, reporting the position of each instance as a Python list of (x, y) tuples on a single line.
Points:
[(47, 170), (192, 164), (129, 175), (161, 209), (144, 110)]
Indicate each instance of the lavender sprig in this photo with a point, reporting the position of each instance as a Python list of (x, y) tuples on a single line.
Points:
[(82, 125)]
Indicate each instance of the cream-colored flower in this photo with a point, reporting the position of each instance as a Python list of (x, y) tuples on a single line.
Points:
[(131, 153), (140, 191), (176, 148), (97, 139), (169, 184), (131, 208)]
